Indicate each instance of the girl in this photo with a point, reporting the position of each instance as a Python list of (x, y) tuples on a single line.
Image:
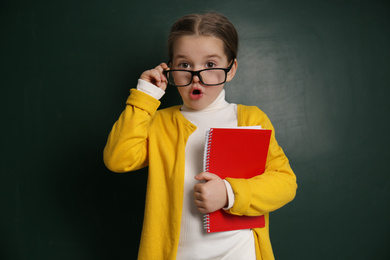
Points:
[(203, 51)]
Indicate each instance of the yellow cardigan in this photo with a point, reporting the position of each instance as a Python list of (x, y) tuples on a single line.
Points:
[(143, 136)]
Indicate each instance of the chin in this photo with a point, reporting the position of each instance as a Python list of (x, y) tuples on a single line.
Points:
[(197, 106)]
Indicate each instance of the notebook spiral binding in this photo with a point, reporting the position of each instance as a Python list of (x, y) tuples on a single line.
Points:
[(206, 222), (207, 152), (206, 217)]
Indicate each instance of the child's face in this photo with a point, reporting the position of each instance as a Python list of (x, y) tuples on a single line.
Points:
[(198, 53)]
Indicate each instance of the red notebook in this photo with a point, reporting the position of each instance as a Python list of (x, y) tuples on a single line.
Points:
[(238, 153)]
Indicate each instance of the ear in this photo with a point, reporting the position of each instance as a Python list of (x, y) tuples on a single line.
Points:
[(232, 71)]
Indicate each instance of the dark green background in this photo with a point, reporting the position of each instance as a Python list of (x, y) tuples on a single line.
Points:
[(319, 69)]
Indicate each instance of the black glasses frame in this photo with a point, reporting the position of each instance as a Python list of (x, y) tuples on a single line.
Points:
[(197, 73)]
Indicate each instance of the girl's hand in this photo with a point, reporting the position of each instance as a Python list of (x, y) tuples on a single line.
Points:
[(156, 76), (211, 195)]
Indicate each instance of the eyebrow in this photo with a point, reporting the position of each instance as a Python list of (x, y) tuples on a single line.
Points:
[(207, 57)]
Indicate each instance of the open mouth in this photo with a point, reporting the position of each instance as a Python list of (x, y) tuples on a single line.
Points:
[(196, 92)]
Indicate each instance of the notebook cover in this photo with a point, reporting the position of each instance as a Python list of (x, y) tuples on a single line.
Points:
[(236, 153)]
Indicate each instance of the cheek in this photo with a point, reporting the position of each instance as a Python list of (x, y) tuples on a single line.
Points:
[(179, 90), (182, 91), (215, 91)]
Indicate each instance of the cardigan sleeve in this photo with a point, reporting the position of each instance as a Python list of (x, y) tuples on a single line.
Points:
[(127, 145), (268, 191)]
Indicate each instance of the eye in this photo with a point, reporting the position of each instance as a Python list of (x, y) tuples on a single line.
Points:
[(184, 65), (210, 65)]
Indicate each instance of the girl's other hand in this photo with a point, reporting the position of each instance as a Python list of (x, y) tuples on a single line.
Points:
[(211, 195), (156, 76)]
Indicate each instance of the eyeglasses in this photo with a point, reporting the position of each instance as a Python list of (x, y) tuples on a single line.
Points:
[(208, 77)]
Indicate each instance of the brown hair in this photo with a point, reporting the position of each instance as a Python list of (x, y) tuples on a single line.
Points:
[(207, 24)]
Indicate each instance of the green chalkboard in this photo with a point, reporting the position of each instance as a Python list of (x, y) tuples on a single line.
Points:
[(319, 69)]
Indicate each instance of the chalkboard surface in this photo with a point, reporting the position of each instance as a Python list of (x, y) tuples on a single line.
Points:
[(319, 69)]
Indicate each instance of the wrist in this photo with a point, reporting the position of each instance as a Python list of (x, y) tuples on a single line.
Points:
[(230, 195), (150, 89)]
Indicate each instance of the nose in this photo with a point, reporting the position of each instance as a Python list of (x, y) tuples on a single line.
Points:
[(195, 79)]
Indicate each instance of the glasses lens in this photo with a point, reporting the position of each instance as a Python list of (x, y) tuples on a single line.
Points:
[(179, 78), (213, 76), (208, 77)]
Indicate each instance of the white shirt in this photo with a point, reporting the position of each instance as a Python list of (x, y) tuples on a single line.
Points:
[(195, 242)]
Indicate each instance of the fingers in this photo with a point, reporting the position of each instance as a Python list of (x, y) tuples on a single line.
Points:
[(210, 196), (156, 77), (200, 196), (206, 176)]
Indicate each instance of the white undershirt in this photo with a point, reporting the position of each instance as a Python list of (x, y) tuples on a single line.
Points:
[(195, 242)]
